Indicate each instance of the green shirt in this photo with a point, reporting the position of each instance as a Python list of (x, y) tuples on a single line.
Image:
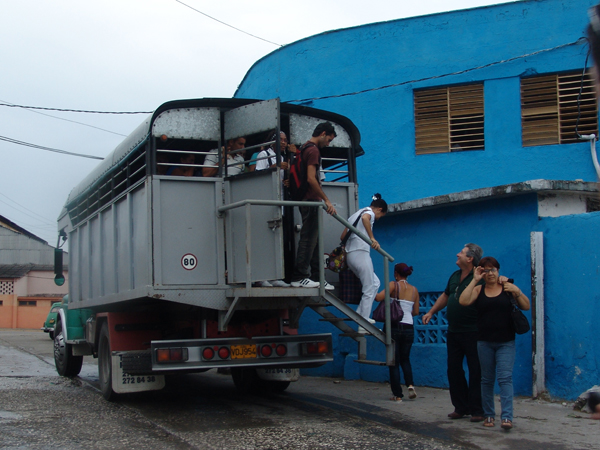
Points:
[(461, 319)]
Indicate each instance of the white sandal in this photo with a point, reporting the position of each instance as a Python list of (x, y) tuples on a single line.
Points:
[(411, 392)]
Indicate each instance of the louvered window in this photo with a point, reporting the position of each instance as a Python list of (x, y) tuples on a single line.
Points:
[(549, 108), (449, 119)]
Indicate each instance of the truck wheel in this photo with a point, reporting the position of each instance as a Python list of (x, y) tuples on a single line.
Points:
[(274, 386), (51, 334), (66, 364), (245, 379), (105, 365)]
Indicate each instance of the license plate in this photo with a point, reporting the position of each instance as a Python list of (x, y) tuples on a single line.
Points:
[(243, 351)]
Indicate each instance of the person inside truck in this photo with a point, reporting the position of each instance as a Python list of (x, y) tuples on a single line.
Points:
[(235, 161), (186, 169)]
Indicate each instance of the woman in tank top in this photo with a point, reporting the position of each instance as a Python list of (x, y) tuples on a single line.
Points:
[(403, 332), (496, 335)]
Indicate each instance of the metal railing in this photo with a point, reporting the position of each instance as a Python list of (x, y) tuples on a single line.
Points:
[(387, 258)]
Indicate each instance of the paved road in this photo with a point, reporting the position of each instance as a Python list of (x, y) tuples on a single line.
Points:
[(40, 410)]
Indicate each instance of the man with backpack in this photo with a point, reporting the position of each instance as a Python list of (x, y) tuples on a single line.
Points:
[(305, 184)]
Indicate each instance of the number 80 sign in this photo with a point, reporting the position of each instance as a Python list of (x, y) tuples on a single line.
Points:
[(189, 261)]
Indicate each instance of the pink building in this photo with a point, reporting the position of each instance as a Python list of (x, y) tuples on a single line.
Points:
[(27, 288)]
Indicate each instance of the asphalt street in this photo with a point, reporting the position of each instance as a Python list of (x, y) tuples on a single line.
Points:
[(40, 410)]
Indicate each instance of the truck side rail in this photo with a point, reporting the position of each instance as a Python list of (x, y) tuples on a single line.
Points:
[(387, 258)]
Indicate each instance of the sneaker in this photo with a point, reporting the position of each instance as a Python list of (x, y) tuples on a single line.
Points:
[(411, 392), (370, 320), (261, 284), (329, 287), (361, 330), (306, 283), (279, 283)]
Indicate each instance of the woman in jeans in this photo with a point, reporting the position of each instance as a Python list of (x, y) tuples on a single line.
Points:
[(496, 336), (403, 332)]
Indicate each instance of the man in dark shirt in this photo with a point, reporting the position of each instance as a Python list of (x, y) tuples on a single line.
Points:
[(461, 339), (306, 269)]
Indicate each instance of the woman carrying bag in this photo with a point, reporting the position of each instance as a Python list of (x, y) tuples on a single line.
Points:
[(403, 332), (358, 257), (496, 335)]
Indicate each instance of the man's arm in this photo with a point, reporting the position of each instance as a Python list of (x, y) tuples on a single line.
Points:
[(311, 177), (439, 304)]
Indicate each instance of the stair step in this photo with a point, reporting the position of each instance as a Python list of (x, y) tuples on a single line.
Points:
[(373, 363), (352, 334)]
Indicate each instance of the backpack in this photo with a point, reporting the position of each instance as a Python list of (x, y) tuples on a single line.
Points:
[(298, 177)]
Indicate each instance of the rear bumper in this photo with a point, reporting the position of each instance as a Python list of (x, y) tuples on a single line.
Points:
[(299, 352)]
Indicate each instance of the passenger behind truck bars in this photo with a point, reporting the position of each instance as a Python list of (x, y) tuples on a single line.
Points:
[(235, 161)]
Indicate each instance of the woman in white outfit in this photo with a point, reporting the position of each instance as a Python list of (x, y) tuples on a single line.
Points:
[(358, 255), (403, 332)]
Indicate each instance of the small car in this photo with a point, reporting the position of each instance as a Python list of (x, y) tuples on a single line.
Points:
[(51, 320)]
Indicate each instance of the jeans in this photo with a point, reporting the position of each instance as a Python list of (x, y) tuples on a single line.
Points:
[(466, 398), (497, 358), (404, 338), (307, 255)]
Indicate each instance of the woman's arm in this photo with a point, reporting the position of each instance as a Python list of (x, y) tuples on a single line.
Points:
[(415, 311), (366, 220), (381, 296), (469, 295), (522, 300)]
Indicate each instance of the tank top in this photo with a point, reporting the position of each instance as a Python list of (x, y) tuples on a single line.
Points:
[(494, 321), (407, 305)]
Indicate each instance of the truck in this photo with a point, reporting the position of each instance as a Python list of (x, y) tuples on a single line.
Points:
[(163, 268)]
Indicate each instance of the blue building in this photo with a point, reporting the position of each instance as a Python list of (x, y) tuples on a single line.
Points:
[(470, 123)]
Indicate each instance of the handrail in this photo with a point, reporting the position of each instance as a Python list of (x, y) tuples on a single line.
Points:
[(386, 256)]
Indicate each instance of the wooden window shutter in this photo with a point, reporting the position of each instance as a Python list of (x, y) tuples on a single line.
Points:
[(549, 109), (568, 92), (431, 121), (449, 119)]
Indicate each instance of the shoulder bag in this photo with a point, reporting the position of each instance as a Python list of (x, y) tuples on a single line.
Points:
[(396, 311), (520, 322)]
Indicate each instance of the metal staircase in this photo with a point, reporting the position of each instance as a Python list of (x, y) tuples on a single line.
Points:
[(324, 299)]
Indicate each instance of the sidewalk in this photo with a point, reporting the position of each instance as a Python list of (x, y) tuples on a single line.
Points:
[(537, 424)]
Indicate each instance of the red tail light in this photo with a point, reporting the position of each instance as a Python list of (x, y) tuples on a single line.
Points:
[(266, 351), (281, 350)]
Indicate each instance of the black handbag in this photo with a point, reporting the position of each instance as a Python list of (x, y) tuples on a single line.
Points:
[(396, 311), (520, 322)]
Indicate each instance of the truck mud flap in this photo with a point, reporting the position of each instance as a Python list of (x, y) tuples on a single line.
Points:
[(124, 382)]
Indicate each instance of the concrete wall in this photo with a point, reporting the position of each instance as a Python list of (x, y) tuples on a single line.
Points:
[(572, 293), (401, 51), (429, 241)]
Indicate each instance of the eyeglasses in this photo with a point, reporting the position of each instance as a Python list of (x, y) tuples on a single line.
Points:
[(490, 270)]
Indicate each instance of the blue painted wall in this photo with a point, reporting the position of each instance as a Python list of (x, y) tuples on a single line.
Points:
[(572, 308), (401, 51), (429, 241), (422, 52)]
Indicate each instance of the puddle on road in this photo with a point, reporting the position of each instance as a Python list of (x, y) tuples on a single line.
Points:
[(7, 415)]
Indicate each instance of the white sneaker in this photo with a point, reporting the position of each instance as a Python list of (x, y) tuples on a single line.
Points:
[(328, 286), (411, 392), (279, 283), (370, 320), (362, 330), (307, 283), (262, 284)]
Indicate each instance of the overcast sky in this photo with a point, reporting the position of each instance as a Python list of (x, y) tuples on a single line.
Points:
[(133, 55)]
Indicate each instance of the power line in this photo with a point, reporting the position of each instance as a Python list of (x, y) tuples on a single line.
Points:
[(67, 120), (460, 72), (27, 209), (49, 149), (24, 213), (226, 24), (10, 105)]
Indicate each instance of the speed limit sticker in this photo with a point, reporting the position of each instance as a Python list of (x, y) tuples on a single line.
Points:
[(189, 261)]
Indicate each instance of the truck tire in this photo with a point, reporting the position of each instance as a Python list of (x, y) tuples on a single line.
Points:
[(66, 364), (246, 380), (105, 365), (51, 334)]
